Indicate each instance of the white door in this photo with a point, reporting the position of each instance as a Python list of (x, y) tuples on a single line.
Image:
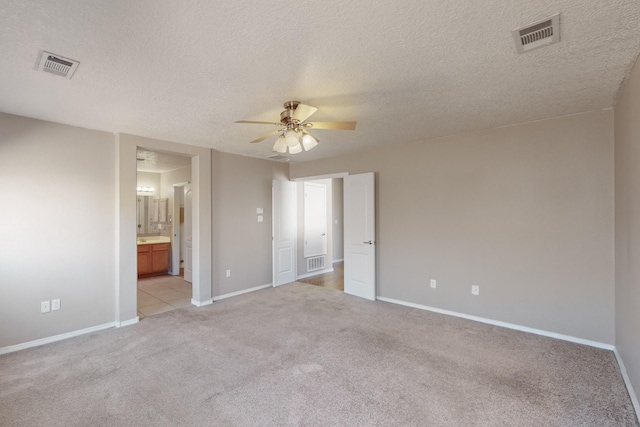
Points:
[(359, 236), (178, 194), (188, 238), (284, 232), (315, 219)]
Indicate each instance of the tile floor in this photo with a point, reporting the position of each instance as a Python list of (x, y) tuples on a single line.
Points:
[(162, 293)]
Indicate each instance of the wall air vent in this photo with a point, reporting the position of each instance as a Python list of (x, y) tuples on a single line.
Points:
[(56, 64), (538, 34), (278, 158), (315, 263)]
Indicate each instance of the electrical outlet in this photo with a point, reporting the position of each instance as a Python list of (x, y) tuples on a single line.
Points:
[(55, 304), (228, 273), (45, 306), (433, 283), (475, 289)]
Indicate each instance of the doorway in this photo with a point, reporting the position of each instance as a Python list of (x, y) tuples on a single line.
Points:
[(359, 264), (126, 245), (162, 180), (321, 216)]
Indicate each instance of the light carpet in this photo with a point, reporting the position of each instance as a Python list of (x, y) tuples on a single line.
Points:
[(308, 356)]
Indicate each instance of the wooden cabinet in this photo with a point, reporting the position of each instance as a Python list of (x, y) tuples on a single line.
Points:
[(153, 259), (144, 260)]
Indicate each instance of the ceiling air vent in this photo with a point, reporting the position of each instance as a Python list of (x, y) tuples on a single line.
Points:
[(58, 65), (538, 34), (278, 158)]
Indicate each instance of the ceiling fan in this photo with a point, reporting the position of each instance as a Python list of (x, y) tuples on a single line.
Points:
[(293, 128)]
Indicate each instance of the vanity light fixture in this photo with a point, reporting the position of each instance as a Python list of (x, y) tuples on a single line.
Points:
[(145, 189)]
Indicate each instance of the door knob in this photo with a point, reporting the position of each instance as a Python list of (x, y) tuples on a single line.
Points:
[(368, 243), (323, 234)]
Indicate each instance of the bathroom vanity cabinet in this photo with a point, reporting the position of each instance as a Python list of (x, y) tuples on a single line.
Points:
[(153, 259)]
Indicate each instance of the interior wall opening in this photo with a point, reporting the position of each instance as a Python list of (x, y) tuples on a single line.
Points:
[(359, 232), (163, 231), (320, 233)]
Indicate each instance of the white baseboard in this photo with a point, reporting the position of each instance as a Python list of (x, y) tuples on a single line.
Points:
[(244, 291), (41, 341), (201, 303), (627, 382), (503, 324), (315, 273), (335, 261), (128, 322)]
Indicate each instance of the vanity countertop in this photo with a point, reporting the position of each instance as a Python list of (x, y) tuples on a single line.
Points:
[(150, 240)]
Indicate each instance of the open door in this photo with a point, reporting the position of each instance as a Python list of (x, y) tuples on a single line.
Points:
[(359, 236), (176, 245), (285, 230), (188, 238)]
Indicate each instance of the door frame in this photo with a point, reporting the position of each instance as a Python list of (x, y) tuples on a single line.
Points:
[(319, 177), (125, 210), (177, 234)]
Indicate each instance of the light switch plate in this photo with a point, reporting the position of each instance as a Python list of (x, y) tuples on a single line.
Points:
[(55, 304), (475, 289), (259, 210), (433, 283)]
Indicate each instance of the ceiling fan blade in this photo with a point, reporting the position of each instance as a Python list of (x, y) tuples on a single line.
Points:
[(263, 137), (303, 112), (259, 123), (331, 125)]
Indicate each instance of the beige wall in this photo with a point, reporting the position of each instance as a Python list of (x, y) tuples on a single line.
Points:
[(149, 179), (176, 176), (526, 212), (627, 162), (57, 228), (168, 179), (242, 244)]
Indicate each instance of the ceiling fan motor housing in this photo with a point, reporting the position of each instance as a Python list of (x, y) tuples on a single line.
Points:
[(286, 117)]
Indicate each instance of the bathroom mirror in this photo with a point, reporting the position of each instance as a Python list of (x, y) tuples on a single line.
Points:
[(152, 215)]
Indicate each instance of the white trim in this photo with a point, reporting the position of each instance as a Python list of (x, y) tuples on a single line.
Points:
[(316, 177), (315, 273), (503, 324), (42, 341), (201, 303), (335, 261), (627, 382), (128, 322), (244, 291)]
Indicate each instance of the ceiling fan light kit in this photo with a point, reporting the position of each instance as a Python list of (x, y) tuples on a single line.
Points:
[(292, 133), (309, 142), (292, 138), (281, 145), (295, 149)]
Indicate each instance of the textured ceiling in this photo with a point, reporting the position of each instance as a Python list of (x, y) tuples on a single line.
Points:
[(408, 71), (159, 162)]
